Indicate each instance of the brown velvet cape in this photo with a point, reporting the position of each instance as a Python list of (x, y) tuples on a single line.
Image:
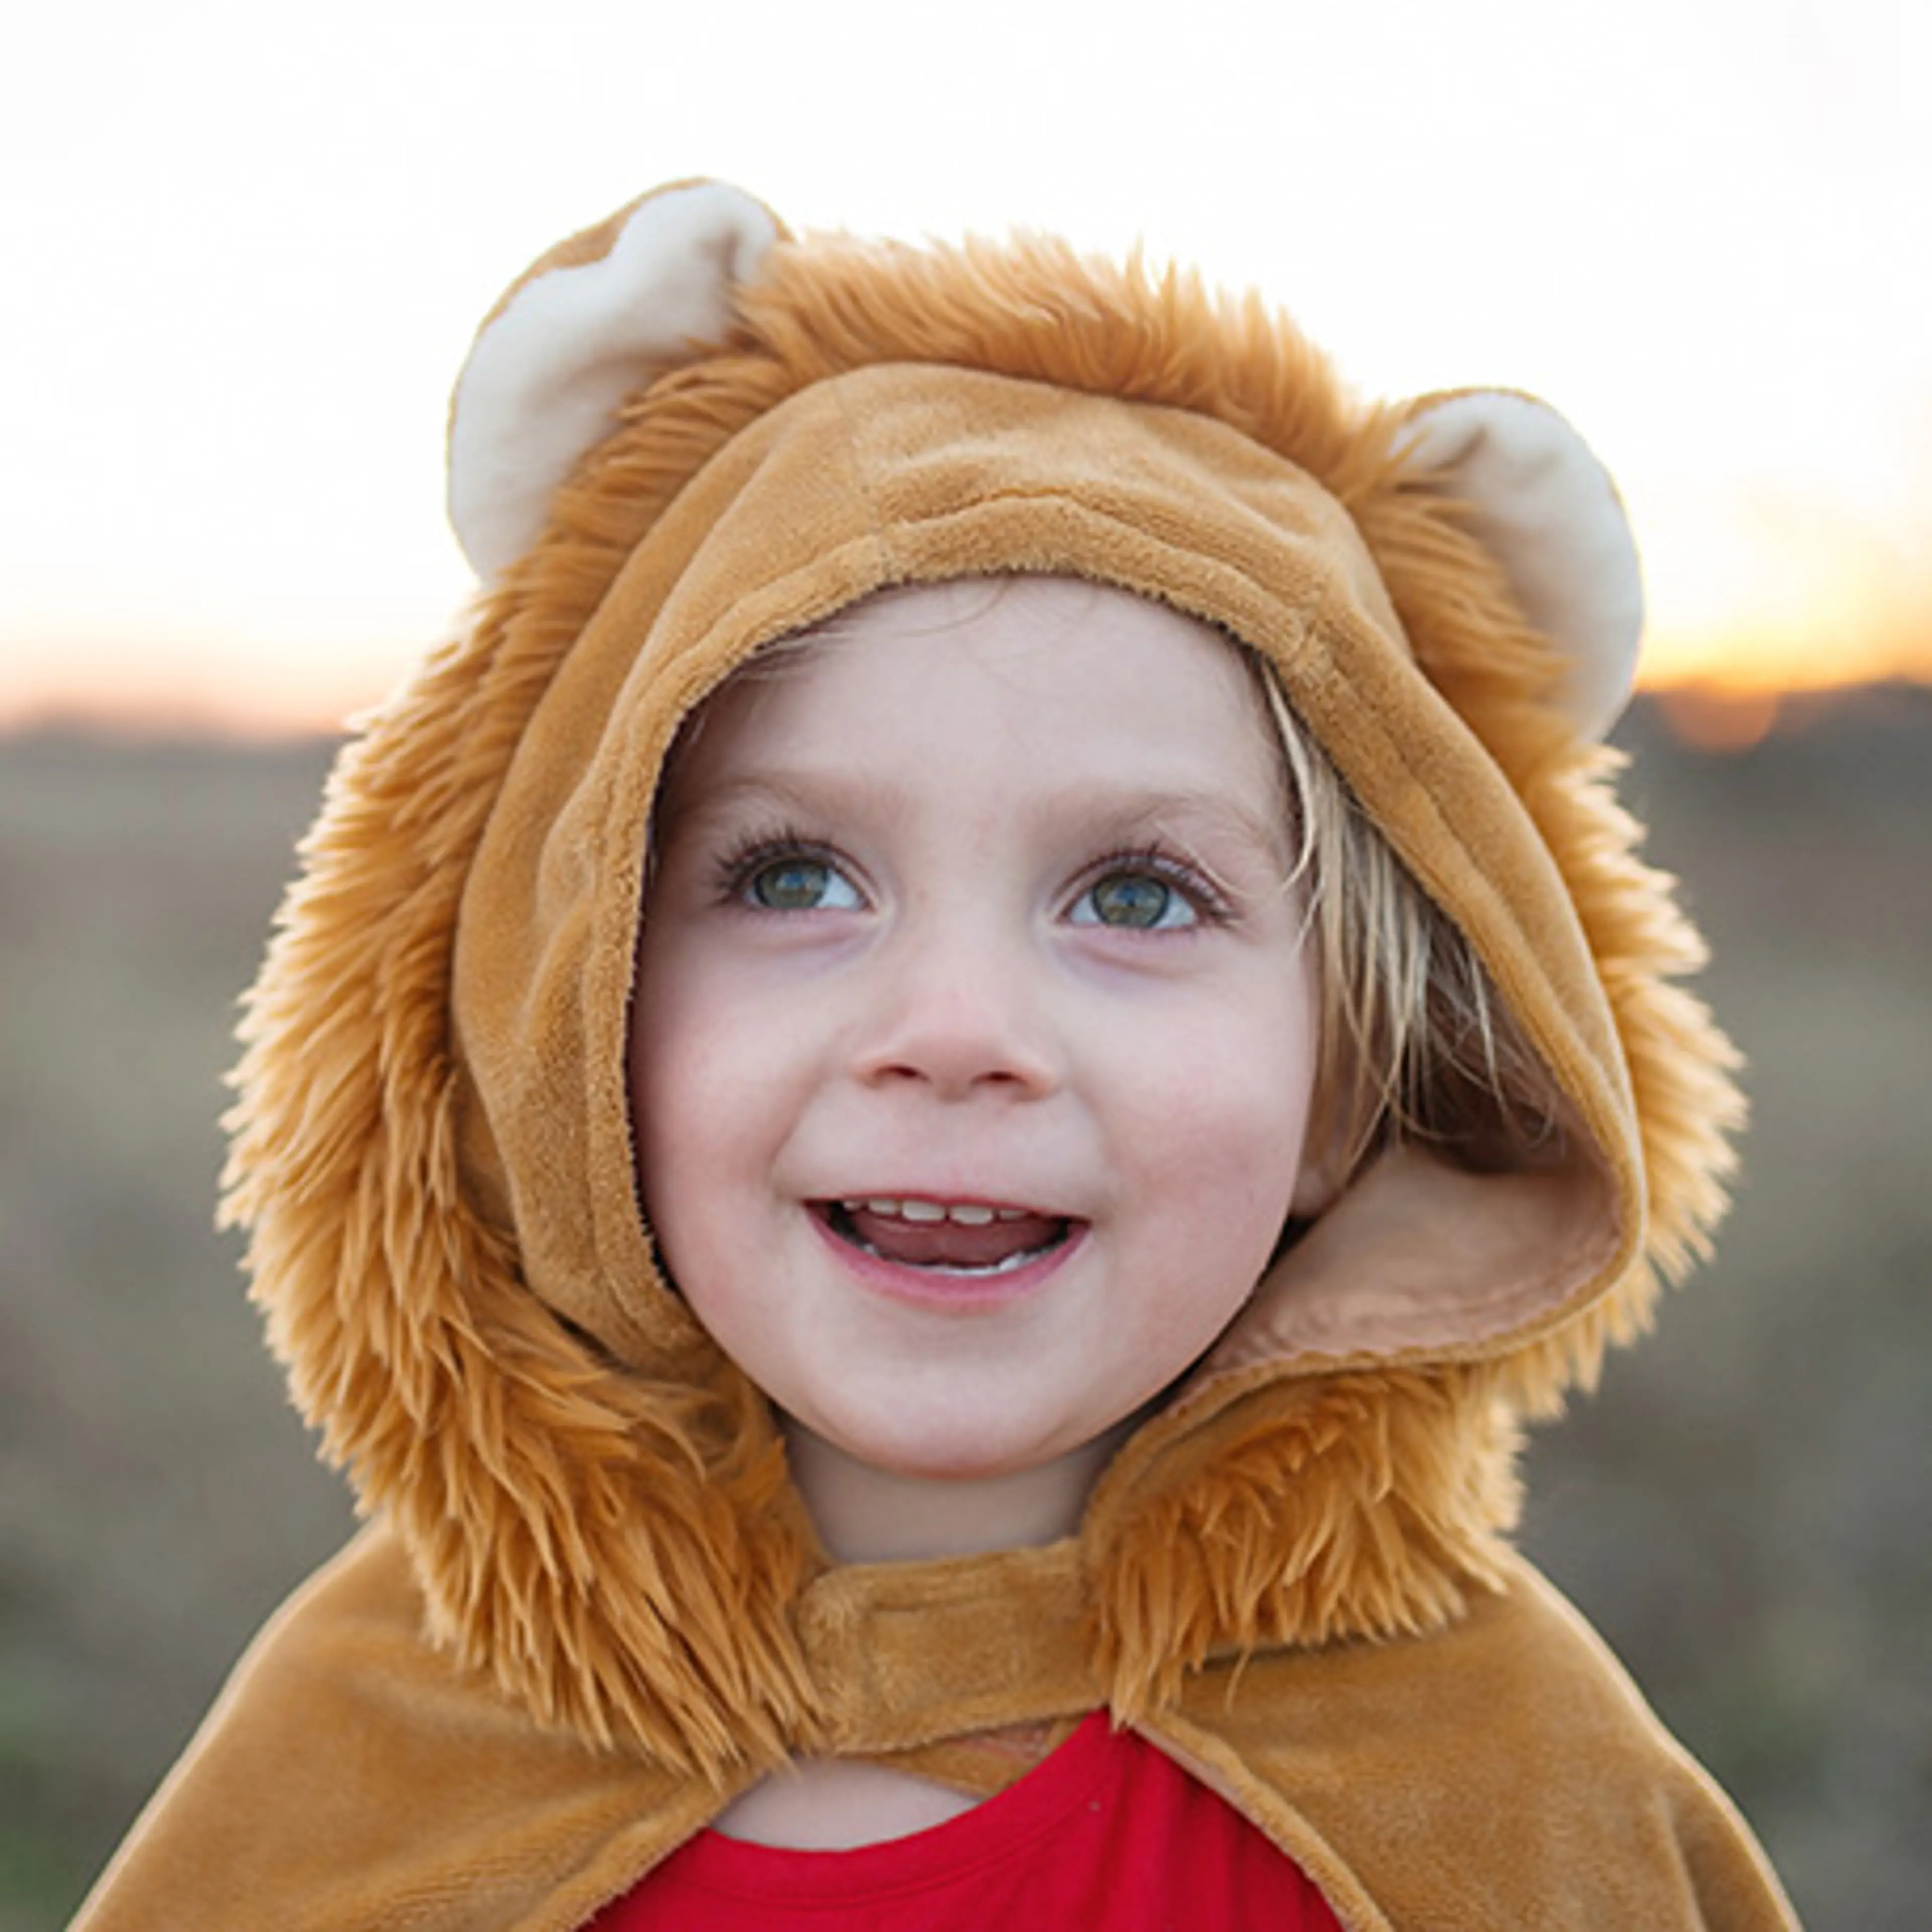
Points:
[(590, 1608)]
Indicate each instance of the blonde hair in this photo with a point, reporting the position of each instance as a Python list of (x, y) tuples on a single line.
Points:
[(1416, 1043)]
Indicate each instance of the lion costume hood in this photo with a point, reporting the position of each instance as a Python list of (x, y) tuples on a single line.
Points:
[(588, 1607)]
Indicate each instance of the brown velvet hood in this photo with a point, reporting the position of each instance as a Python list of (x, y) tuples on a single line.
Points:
[(432, 1146)]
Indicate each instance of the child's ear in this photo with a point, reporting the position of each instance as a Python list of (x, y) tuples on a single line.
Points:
[(1324, 1171)]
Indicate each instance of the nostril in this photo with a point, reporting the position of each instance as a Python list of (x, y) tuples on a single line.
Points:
[(957, 1021), (955, 1079)]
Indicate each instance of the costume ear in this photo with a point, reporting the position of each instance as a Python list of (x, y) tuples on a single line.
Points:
[(1544, 506), (548, 369)]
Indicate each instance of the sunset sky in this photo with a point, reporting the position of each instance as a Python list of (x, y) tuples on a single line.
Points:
[(246, 246)]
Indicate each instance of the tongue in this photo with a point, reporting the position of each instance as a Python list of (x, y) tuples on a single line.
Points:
[(946, 1243)]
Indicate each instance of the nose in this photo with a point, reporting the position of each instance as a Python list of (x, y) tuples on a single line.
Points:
[(960, 1015)]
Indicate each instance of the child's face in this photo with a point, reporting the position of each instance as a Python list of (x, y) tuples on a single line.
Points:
[(974, 1037)]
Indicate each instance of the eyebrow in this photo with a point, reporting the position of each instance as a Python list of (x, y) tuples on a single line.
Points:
[(834, 793), (1127, 814), (1144, 812)]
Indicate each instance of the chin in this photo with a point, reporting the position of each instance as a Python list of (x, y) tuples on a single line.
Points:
[(958, 1450), (965, 1455)]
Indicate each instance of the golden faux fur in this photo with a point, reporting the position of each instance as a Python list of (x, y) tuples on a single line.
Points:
[(602, 1522)]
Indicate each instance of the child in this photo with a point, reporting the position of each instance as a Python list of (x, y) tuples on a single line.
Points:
[(925, 1124)]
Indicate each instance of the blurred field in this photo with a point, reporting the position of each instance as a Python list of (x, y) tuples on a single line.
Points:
[(1746, 1510)]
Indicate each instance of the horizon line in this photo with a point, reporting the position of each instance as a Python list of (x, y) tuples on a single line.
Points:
[(1706, 711)]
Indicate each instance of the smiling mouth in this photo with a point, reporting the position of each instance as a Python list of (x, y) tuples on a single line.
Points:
[(962, 1238)]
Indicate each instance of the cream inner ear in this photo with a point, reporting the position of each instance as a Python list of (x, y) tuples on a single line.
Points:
[(547, 374), (1545, 507)]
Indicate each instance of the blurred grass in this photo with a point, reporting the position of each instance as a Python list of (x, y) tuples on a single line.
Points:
[(157, 1497), (1744, 1511)]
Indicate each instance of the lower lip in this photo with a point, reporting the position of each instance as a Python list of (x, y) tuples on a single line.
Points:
[(951, 1294)]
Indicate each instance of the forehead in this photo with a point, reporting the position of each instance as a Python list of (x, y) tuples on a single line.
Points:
[(1031, 678)]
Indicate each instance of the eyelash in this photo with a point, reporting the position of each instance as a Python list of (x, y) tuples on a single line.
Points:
[(1210, 903), (741, 861)]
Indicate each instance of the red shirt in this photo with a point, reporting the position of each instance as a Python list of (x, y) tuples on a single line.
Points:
[(1106, 1835)]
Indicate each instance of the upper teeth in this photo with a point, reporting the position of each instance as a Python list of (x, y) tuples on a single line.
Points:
[(966, 1213)]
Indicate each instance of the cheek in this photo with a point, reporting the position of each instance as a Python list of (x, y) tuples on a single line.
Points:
[(676, 1118), (714, 1087), (684, 1166), (1225, 1122)]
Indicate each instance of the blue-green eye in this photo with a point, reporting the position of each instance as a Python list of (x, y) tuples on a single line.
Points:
[(1134, 902), (797, 882)]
